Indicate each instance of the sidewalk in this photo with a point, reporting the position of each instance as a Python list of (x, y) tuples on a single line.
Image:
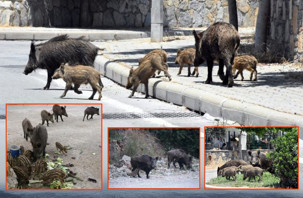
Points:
[(274, 100)]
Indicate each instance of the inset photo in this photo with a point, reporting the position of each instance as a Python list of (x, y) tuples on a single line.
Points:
[(54, 146), (154, 158), (245, 158)]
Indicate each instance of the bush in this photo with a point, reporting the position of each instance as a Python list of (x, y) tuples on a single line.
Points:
[(285, 158)]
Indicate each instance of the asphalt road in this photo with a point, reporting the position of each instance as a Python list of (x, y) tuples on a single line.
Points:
[(118, 111)]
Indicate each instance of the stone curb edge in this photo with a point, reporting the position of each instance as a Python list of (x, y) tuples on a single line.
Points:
[(244, 113)]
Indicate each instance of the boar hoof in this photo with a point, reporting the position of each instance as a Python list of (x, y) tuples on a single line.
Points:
[(221, 76), (130, 96), (230, 84), (208, 81), (90, 98), (78, 92), (62, 96), (46, 88)]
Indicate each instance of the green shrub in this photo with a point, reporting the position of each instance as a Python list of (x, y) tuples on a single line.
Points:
[(285, 158)]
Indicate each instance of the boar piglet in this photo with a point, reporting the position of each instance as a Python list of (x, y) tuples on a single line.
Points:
[(90, 111), (143, 162), (46, 116), (186, 56), (146, 70), (245, 62), (27, 128), (231, 163), (78, 75), (59, 111)]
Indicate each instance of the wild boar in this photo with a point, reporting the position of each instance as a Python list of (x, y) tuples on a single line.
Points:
[(232, 163), (39, 141), (245, 62), (220, 42), (243, 168), (253, 172), (46, 116), (61, 148), (150, 54), (144, 162), (78, 75), (51, 54), (59, 111), (259, 159), (186, 56), (90, 111), (27, 128), (228, 172), (179, 155), (52, 175), (142, 73), (22, 175)]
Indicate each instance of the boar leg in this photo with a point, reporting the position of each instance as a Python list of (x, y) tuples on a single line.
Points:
[(92, 96), (147, 172), (50, 73), (47, 122), (67, 87), (221, 67), (42, 122), (229, 80), (84, 117), (237, 74), (135, 86), (146, 89), (61, 118), (76, 89), (242, 77), (210, 64), (189, 70), (180, 69)]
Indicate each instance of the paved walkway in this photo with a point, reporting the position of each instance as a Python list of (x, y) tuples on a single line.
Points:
[(278, 89)]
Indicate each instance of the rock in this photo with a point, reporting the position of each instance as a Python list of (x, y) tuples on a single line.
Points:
[(6, 17), (56, 3), (16, 18), (97, 19), (76, 18), (119, 19), (70, 4), (138, 20), (243, 6), (113, 4), (197, 20), (126, 160), (143, 9), (6, 5), (131, 20), (183, 6), (147, 21), (170, 19), (57, 17), (185, 20), (108, 20)]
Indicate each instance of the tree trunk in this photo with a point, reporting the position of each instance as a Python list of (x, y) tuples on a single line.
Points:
[(261, 27), (232, 11)]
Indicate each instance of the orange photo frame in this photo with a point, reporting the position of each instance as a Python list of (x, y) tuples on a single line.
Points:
[(101, 138), (205, 188), (163, 132)]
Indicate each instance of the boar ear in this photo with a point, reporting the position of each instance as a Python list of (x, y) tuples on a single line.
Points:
[(259, 152), (33, 48), (131, 70)]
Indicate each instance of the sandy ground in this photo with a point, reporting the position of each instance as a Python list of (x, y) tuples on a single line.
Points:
[(83, 137), (178, 180)]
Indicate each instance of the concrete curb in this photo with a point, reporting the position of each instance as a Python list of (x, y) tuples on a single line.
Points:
[(244, 113), (91, 36)]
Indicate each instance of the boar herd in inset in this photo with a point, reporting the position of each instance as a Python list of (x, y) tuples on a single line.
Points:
[(72, 60), (148, 163), (257, 165), (38, 135)]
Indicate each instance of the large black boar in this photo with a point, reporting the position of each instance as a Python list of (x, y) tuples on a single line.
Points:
[(27, 128), (143, 162), (220, 42), (179, 155), (59, 111), (39, 140), (231, 163), (60, 49), (259, 159)]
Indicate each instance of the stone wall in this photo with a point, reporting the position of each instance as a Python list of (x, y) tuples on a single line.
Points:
[(121, 13), (285, 35), (197, 13)]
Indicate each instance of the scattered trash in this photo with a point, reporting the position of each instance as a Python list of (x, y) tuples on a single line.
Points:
[(73, 157), (69, 165)]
